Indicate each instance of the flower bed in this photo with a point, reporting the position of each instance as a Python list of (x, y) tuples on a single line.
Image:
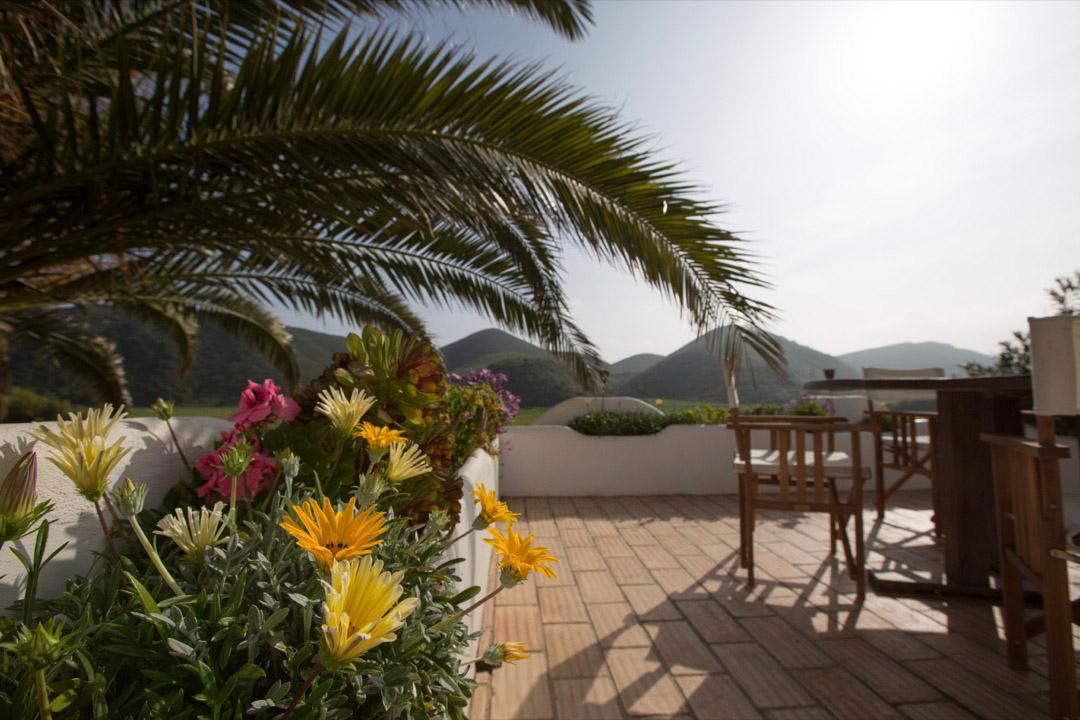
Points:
[(314, 581)]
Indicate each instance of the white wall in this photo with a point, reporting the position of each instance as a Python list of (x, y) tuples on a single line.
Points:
[(678, 460), (152, 460), (571, 408), (481, 468)]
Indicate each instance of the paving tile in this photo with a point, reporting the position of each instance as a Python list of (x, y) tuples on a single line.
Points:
[(678, 544), (802, 713), (521, 594), (716, 697), (980, 697), (572, 651), (843, 695), (650, 602), (637, 536), (935, 711), (598, 586), (766, 683), (585, 558), (617, 625), (645, 688), (791, 649), (882, 674), (706, 571), (521, 690), (480, 705), (613, 547), (655, 557), (985, 663), (519, 623), (628, 571), (681, 649), (575, 538), (679, 584), (712, 622), (586, 699), (561, 604)]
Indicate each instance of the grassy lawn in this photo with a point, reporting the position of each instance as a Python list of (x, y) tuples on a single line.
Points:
[(527, 416), (187, 411)]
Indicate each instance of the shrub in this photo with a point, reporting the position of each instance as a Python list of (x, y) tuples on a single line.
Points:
[(605, 422), (809, 407), (315, 593), (481, 407), (25, 405)]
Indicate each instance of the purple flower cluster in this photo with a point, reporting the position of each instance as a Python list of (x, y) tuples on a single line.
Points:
[(508, 401)]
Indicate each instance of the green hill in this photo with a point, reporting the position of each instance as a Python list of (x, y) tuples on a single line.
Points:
[(532, 374), (916, 355), (694, 372)]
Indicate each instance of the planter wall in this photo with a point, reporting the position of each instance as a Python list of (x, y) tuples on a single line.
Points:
[(678, 460)]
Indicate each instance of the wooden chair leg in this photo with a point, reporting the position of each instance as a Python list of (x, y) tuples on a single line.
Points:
[(833, 523), (879, 477), (1012, 607), (742, 521), (860, 542), (751, 520), (1059, 641)]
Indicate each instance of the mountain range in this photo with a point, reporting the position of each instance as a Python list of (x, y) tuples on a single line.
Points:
[(223, 365)]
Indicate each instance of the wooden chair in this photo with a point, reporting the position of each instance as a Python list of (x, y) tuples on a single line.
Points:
[(802, 469), (1031, 543), (898, 443)]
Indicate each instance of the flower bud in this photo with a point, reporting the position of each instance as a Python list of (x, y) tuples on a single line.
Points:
[(508, 652), (130, 498), (235, 460), (163, 409), (18, 491), (289, 462), (39, 648)]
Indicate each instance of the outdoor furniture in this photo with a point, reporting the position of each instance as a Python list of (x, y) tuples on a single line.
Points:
[(1031, 544), (802, 473), (898, 443), (967, 407)]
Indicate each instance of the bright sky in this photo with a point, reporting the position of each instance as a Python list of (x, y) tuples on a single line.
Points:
[(908, 171)]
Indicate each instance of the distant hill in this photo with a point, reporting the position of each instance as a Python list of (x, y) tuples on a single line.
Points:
[(532, 374), (219, 373), (635, 364), (694, 372), (915, 355)]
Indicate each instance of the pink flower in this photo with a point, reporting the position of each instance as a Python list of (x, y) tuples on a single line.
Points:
[(263, 403), (258, 477)]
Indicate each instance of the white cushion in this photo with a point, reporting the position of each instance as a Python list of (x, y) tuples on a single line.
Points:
[(767, 462)]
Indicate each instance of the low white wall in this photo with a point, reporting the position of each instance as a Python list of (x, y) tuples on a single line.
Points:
[(152, 460), (678, 460), (571, 408), (481, 468)]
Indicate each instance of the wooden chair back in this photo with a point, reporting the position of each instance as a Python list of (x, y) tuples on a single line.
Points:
[(801, 447), (1031, 543)]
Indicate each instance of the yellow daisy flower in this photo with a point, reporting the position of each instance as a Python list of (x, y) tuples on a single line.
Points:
[(518, 556), (361, 610), (379, 438), (79, 448), (332, 535), (344, 411), (492, 510), (406, 461)]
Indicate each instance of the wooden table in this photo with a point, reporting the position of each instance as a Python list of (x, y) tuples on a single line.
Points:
[(966, 408)]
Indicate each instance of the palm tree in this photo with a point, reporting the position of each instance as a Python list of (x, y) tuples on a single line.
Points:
[(196, 160)]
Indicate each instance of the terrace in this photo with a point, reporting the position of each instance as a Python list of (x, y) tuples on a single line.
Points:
[(651, 616)]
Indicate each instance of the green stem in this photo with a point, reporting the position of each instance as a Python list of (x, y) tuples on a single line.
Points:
[(154, 557), (116, 517), (462, 613), (176, 442), (232, 502), (334, 460), (42, 694), (459, 537), (303, 689), (105, 531)]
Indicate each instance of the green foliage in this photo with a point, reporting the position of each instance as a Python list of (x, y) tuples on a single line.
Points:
[(296, 122), (244, 636), (1015, 355), (606, 422), (25, 405)]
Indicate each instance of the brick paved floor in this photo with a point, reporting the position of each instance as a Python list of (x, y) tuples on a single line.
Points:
[(651, 617)]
